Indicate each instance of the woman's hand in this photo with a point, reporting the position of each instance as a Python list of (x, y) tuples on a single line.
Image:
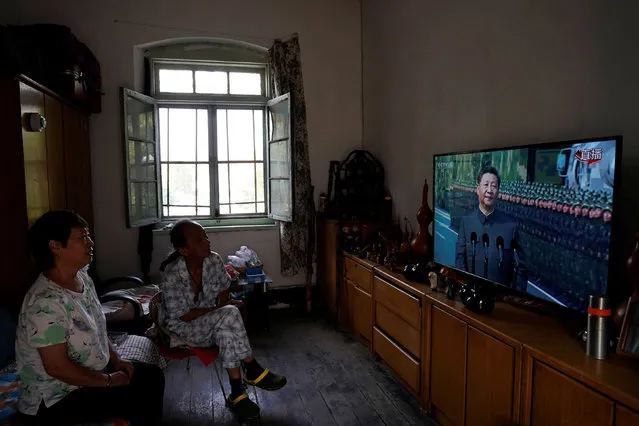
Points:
[(123, 365), (119, 378)]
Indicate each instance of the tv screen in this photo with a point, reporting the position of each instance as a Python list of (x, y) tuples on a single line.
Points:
[(535, 219)]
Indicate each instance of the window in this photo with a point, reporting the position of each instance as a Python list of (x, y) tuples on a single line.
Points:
[(204, 152)]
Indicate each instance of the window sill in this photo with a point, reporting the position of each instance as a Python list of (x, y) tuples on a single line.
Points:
[(223, 225)]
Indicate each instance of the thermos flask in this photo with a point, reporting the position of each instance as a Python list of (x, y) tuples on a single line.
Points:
[(598, 322)]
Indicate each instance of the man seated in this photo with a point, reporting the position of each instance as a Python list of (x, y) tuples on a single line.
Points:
[(199, 312)]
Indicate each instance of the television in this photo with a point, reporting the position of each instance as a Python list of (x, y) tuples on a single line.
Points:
[(535, 219)]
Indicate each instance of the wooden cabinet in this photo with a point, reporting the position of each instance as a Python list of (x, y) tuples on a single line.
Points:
[(491, 391), (558, 400), (625, 417), (358, 278), (509, 367), (43, 169), (448, 367), (328, 263)]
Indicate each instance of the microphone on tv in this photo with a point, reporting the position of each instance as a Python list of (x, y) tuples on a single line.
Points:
[(500, 248), (515, 246), (473, 240), (485, 241)]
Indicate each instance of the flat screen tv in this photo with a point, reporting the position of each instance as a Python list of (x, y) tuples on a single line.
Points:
[(536, 219)]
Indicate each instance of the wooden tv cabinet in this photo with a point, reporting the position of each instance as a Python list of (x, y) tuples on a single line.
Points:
[(510, 367)]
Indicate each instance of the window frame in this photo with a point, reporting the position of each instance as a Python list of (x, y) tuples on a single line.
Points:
[(213, 102)]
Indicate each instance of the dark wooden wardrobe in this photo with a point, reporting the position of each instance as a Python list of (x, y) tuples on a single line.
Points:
[(40, 170)]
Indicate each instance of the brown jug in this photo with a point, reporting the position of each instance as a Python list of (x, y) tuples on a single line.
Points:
[(421, 246)]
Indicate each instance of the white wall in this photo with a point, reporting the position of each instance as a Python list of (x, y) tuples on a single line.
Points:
[(443, 76), (330, 39)]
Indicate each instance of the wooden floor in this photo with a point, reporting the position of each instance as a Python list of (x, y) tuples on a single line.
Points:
[(332, 380)]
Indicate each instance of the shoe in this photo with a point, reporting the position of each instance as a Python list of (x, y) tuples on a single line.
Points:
[(243, 408), (267, 380)]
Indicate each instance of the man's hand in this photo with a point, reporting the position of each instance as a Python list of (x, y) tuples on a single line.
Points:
[(123, 365), (235, 302), (120, 378)]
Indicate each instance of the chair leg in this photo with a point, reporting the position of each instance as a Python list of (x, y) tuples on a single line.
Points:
[(188, 364), (219, 379)]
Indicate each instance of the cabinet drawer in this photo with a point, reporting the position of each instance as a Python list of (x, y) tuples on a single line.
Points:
[(398, 329), (397, 359), (358, 274), (625, 417), (398, 302)]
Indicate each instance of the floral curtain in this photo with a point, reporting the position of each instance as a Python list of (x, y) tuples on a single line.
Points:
[(296, 238)]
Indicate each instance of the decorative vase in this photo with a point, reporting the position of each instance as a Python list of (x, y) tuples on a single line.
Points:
[(421, 245)]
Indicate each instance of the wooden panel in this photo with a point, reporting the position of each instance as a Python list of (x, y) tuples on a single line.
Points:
[(560, 400), (626, 417), (350, 297), (490, 381), (55, 153), (34, 145), (78, 163), (14, 253), (397, 359), (362, 313), (359, 274), (327, 264), (398, 301), (398, 329), (448, 365)]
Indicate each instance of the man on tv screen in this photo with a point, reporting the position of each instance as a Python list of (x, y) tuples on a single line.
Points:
[(487, 241)]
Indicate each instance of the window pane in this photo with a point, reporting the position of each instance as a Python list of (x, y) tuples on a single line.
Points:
[(176, 81), (203, 185), (259, 181), (279, 121), (202, 135), (223, 182), (139, 119), (134, 200), (245, 83), (182, 134), (240, 135), (261, 208), (204, 211), (280, 200), (242, 183), (164, 134), (278, 159), (222, 141), (181, 211), (225, 209), (165, 185), (211, 82), (140, 151), (182, 184), (165, 211), (133, 160), (152, 207), (150, 161), (258, 128), (242, 208)]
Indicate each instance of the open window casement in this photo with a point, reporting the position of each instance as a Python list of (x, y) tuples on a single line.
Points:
[(140, 131), (279, 159)]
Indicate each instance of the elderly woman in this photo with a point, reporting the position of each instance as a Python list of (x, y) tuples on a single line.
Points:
[(69, 371), (199, 312)]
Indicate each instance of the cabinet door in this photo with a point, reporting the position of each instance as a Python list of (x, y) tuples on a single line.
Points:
[(34, 145), (77, 160), (448, 366), (362, 313), (490, 380), (558, 400), (626, 417), (55, 154)]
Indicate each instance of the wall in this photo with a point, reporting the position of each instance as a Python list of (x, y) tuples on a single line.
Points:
[(329, 33), (461, 74)]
